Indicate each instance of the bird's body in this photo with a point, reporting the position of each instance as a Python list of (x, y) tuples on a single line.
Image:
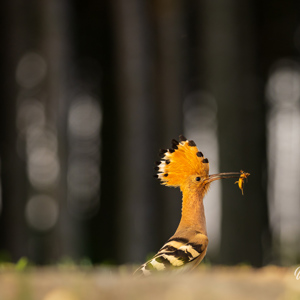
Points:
[(185, 167)]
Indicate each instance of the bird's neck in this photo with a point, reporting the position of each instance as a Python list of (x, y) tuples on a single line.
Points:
[(193, 216)]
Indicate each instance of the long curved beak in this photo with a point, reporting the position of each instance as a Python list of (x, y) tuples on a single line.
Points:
[(214, 177)]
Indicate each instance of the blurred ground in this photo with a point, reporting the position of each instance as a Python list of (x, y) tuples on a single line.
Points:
[(104, 283)]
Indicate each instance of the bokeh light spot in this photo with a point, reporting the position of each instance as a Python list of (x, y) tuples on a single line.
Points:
[(83, 178), (30, 113), (283, 87), (84, 117), (43, 167), (31, 70), (41, 212)]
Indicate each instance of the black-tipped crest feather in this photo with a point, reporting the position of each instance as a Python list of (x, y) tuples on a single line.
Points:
[(182, 138), (192, 143)]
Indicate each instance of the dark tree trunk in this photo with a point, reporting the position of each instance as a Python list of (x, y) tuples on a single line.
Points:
[(169, 82), (136, 131), (229, 60)]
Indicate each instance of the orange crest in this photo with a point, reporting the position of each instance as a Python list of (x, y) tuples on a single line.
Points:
[(181, 162)]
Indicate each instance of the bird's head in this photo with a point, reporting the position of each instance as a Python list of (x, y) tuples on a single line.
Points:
[(186, 167)]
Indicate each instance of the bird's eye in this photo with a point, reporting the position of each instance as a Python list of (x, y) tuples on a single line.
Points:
[(197, 178)]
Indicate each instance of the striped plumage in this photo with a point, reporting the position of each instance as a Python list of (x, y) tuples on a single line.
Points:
[(176, 252), (184, 166)]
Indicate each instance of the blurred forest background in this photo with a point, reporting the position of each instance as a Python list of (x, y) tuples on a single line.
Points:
[(90, 90)]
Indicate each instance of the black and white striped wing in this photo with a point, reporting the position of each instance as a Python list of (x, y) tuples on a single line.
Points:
[(176, 253)]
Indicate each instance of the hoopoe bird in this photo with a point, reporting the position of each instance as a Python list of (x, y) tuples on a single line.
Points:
[(184, 166)]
